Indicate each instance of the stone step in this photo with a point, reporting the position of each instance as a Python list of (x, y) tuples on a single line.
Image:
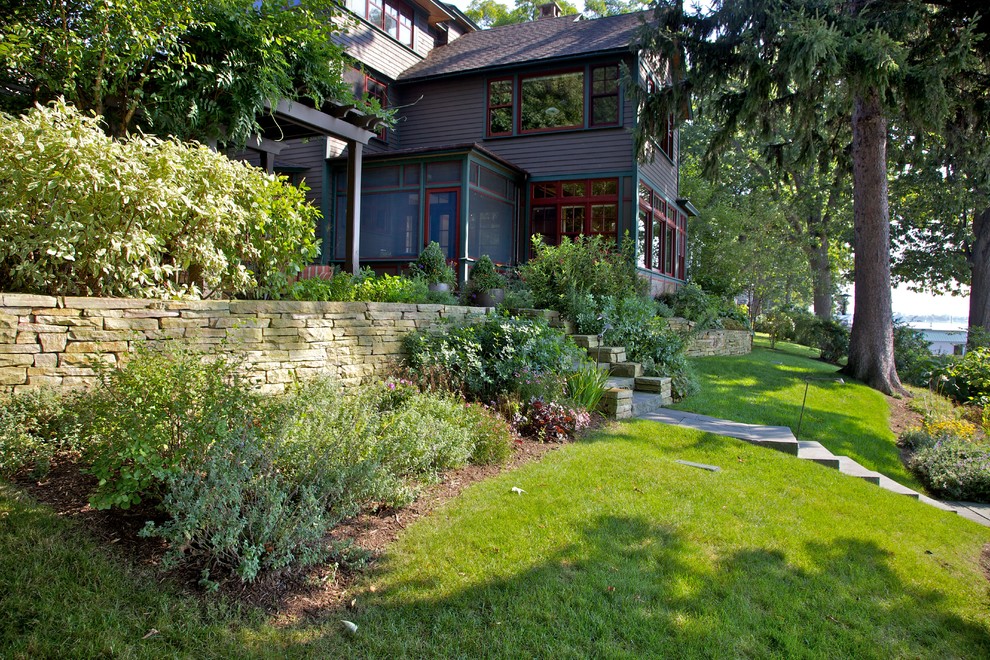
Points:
[(645, 402), (816, 452), (608, 354), (854, 469), (658, 384), (889, 484), (627, 369), (620, 382), (587, 341)]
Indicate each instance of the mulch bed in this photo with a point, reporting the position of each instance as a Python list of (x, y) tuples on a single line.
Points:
[(290, 595)]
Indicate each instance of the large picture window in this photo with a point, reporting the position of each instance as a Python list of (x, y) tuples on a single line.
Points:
[(588, 207), (552, 102)]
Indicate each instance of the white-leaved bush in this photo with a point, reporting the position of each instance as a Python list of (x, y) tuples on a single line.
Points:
[(85, 214)]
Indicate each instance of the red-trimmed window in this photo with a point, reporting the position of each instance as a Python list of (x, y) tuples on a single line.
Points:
[(605, 95), (588, 207), (551, 102), (378, 90), (500, 104), (661, 235), (394, 18)]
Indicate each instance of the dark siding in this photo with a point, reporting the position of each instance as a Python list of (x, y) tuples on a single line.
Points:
[(377, 50), (423, 40), (310, 154), (661, 173), (452, 112)]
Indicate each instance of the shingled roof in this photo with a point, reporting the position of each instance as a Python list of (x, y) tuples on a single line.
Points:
[(540, 40)]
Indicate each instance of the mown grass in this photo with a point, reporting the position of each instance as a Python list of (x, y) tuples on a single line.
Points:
[(767, 387), (615, 549)]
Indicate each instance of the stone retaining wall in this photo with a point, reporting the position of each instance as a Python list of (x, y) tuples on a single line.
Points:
[(714, 342), (52, 341)]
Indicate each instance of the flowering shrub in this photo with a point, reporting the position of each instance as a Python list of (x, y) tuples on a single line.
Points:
[(955, 469), (552, 422)]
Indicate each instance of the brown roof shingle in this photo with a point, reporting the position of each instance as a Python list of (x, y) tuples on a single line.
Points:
[(543, 39)]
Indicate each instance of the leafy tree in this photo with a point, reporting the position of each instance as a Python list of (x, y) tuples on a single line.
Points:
[(759, 62), (600, 8), (492, 13), (194, 70)]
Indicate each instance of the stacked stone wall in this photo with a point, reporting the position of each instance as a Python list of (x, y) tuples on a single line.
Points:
[(49, 341), (714, 342)]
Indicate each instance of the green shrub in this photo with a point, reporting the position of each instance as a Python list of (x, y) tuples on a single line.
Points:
[(485, 359), (156, 416), (968, 380), (831, 338), (235, 510), (432, 266), (492, 434), (586, 385), (85, 214), (549, 421), (561, 276), (631, 321), (34, 426), (915, 363), (368, 287), (692, 303), (337, 288), (955, 469)]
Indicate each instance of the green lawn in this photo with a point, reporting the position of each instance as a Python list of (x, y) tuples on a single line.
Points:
[(767, 386), (613, 550)]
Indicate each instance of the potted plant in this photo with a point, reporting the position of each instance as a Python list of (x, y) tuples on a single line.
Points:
[(432, 266), (486, 287)]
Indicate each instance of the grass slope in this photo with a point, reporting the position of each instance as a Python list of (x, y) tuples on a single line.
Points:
[(613, 550), (767, 386)]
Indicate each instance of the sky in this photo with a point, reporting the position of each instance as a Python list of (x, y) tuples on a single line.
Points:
[(905, 302)]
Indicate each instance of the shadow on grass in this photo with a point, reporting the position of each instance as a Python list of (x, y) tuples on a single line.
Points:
[(627, 587), (767, 387)]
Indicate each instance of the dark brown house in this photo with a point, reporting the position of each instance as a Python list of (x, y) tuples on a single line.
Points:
[(501, 134)]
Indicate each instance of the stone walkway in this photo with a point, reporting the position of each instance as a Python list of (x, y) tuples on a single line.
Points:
[(781, 439)]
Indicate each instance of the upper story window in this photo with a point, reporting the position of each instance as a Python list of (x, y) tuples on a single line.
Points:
[(543, 102), (393, 17), (663, 142), (362, 84)]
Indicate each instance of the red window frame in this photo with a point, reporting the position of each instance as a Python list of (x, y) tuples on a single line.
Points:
[(550, 74), (563, 195), (500, 106), (663, 243), (607, 92), (456, 220), (402, 16), (379, 90)]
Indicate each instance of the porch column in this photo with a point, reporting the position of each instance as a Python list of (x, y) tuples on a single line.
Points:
[(352, 235)]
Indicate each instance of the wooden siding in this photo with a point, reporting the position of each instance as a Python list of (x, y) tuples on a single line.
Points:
[(423, 38), (449, 112), (309, 154), (661, 174), (376, 50)]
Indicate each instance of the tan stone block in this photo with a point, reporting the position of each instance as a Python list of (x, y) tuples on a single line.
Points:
[(44, 381), (280, 332), (131, 324), (45, 360), (96, 347), (13, 375), (243, 334), (279, 376), (7, 335), (344, 308), (198, 305), (377, 309), (303, 317), (75, 371), (270, 389), (19, 348), (16, 360), (169, 333), (383, 323), (316, 334), (27, 300), (90, 334), (388, 348), (85, 359), (310, 354), (239, 322), (79, 382), (405, 325), (40, 327), (293, 346), (72, 302), (26, 338), (70, 321), (205, 332), (287, 323), (148, 314), (8, 320), (185, 323), (420, 316), (275, 307), (52, 343), (319, 323)]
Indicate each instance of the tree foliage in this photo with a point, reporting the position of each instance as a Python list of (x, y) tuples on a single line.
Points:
[(492, 13), (85, 214), (200, 71), (761, 62)]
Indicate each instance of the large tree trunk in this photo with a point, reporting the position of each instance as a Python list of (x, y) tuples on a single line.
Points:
[(979, 262), (821, 273), (871, 346)]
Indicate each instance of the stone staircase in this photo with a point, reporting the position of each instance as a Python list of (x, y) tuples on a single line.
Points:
[(629, 393)]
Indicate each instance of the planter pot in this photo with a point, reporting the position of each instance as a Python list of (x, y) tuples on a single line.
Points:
[(439, 286), (490, 297)]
